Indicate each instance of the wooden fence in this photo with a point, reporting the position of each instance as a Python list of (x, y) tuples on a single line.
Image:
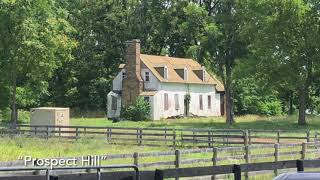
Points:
[(207, 156), (167, 136), (161, 174), (235, 169)]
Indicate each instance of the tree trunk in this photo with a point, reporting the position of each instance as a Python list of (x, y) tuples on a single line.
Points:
[(302, 105), (291, 104), (229, 101), (14, 112), (304, 93)]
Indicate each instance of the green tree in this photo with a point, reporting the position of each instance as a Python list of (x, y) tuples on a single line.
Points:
[(34, 41), (287, 32)]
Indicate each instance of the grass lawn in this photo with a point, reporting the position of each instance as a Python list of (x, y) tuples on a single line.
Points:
[(12, 148), (242, 122)]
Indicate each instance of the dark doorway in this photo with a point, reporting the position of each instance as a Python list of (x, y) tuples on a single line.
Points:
[(186, 105)]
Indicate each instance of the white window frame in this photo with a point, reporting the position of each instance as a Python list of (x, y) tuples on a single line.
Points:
[(185, 74), (165, 73)]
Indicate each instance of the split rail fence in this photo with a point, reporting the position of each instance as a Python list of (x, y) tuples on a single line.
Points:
[(235, 169), (166, 136), (161, 174), (207, 156)]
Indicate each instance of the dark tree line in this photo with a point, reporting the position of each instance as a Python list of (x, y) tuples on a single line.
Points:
[(66, 52)]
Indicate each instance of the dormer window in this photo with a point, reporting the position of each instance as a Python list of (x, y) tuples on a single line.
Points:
[(165, 73), (185, 74), (201, 73), (147, 76)]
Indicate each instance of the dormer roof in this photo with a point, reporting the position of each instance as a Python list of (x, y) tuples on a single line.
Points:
[(173, 63)]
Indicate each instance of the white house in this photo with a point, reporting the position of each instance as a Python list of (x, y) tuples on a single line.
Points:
[(173, 86)]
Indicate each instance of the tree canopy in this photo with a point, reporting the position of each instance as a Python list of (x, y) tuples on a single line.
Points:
[(66, 52)]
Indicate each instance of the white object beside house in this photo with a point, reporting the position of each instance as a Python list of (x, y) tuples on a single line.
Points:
[(173, 86)]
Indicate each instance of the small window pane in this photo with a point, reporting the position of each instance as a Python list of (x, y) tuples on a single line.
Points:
[(209, 102), (166, 101), (176, 100), (200, 102), (114, 103), (147, 76)]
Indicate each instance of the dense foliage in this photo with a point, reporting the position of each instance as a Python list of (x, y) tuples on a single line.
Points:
[(66, 52), (138, 111)]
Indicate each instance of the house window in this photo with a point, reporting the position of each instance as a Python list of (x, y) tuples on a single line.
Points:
[(176, 101), (114, 103), (147, 99), (209, 102), (185, 74), (200, 102), (147, 76), (166, 101), (124, 75), (165, 73)]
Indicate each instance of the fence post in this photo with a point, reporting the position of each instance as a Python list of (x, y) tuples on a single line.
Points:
[(108, 134), (177, 160), (237, 172), (209, 139), (247, 159), (158, 175), (246, 138), (136, 158), (300, 167), (77, 133), (174, 139), (47, 132), (140, 137), (193, 137), (308, 135), (278, 136), (276, 156), (53, 177), (214, 159), (59, 131), (165, 135), (316, 137), (303, 150), (137, 135), (249, 131)]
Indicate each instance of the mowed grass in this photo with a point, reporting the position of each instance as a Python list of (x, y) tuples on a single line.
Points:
[(242, 122)]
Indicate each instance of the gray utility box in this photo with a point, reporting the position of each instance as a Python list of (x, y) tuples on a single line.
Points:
[(50, 116)]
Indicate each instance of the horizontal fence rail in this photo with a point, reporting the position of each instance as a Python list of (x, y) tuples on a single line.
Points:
[(166, 136), (235, 169), (97, 168)]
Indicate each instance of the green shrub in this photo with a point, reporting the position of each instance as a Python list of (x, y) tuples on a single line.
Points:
[(23, 116), (138, 111), (270, 108)]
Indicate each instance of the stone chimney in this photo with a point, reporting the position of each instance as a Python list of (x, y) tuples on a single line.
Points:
[(132, 85)]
